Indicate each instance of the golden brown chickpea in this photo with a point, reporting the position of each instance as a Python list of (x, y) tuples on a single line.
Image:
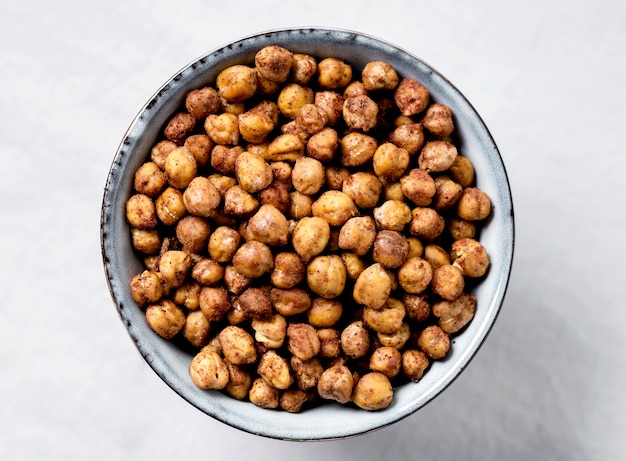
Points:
[(392, 215), (330, 342), (447, 282), (437, 156), (300, 205), (310, 119), (473, 205), (372, 287), (355, 340), (277, 195), (237, 83), (179, 127), (462, 171), (302, 340), (146, 241), (223, 159), (438, 120), (274, 369), (202, 101), (223, 243), (255, 126), (387, 319), (393, 191), (285, 147), (234, 108), (360, 112), (188, 295), (379, 75), (323, 145), (235, 282), (396, 339), (292, 97), (214, 303), (390, 161), (390, 249), (335, 177), (165, 318), (201, 198), (447, 194), (239, 202), (304, 67), (336, 383), (357, 149), (335, 207), (293, 400), (237, 345), (324, 313), (181, 167), (326, 276), (208, 370), (310, 236), (454, 315), (222, 128), (200, 146), (415, 275), (333, 73), (239, 382), (263, 394), (170, 206), (416, 248), (256, 304), (331, 103), (354, 88), (426, 223), (272, 332), (274, 62), (408, 136), (460, 228), (307, 372), (193, 233), (141, 212), (160, 151), (411, 97), (308, 175), (268, 226), (354, 264), (470, 256), (207, 272), (434, 342), (281, 171), (418, 186), (150, 180), (253, 173), (196, 329), (386, 360), (290, 302), (288, 270), (174, 266), (414, 364), (265, 87), (146, 287), (357, 235), (373, 392), (363, 188), (436, 255)]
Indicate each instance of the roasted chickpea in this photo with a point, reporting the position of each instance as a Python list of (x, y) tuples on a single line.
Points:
[(179, 127), (256, 304), (354, 264), (454, 315), (239, 202), (335, 177), (223, 243), (415, 275), (263, 395), (285, 147), (426, 223), (437, 156), (331, 103), (160, 151), (336, 383), (390, 161), (237, 345), (436, 255), (223, 159), (290, 302), (253, 173), (288, 270), (303, 69), (277, 195), (396, 339), (393, 191), (292, 400), (460, 228), (333, 73), (271, 332), (372, 287), (196, 329), (308, 175), (302, 340), (330, 342), (274, 62), (418, 186), (255, 126), (357, 235), (239, 382), (201, 198), (447, 194), (386, 360), (448, 282), (310, 119), (363, 188), (414, 364), (150, 180), (310, 236), (265, 87), (355, 340), (387, 319), (326, 276), (411, 97), (237, 83), (470, 256), (408, 136), (146, 287), (269, 226), (323, 145), (165, 318), (392, 215), (307, 372), (390, 249), (357, 149), (208, 370), (207, 272), (170, 206), (373, 392), (360, 112), (438, 120), (462, 171), (174, 265), (473, 205), (324, 313), (202, 101), (274, 369), (434, 342), (141, 212), (222, 128), (354, 88), (193, 233), (292, 97), (379, 75), (181, 167), (188, 295), (300, 205), (334, 206), (214, 303), (200, 146), (416, 248), (235, 282)]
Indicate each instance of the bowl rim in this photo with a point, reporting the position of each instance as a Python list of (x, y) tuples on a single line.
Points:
[(244, 415)]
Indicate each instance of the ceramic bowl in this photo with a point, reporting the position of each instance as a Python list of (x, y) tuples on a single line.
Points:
[(170, 363)]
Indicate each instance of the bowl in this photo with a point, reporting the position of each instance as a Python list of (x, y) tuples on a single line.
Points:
[(171, 363)]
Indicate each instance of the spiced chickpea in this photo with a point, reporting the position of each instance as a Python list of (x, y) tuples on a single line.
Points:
[(230, 107), (160, 151), (274, 62), (208, 370), (255, 126), (360, 112), (303, 68), (418, 186), (146, 241), (373, 392), (335, 177), (454, 315), (223, 243), (386, 360), (392, 215), (473, 205), (222, 128), (146, 287), (292, 97), (336, 383), (196, 328), (357, 149), (266, 87), (239, 381), (165, 318), (436, 255), (188, 295), (271, 332), (290, 302), (323, 145), (462, 171), (300, 205), (207, 272), (200, 146), (411, 97), (252, 172), (434, 342), (326, 276), (268, 225), (285, 147), (201, 197), (293, 400), (354, 88), (387, 319), (448, 193), (408, 136), (223, 158), (150, 180), (214, 303), (237, 345), (235, 282), (174, 265), (470, 256), (274, 369), (355, 340), (333, 73), (357, 235), (460, 228), (396, 339), (276, 194), (438, 120), (193, 233), (170, 206), (179, 127), (181, 167), (256, 304), (414, 364), (437, 156), (307, 372), (141, 212), (201, 102), (390, 249), (308, 175), (379, 75), (310, 236), (354, 264), (416, 247), (310, 119), (330, 342), (390, 161), (263, 395), (335, 207), (426, 223), (239, 202), (288, 270), (302, 340), (331, 103), (237, 83), (363, 188), (447, 282), (415, 275), (324, 313), (373, 287)]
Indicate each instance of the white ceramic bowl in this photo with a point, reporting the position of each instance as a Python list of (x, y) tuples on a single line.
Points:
[(328, 421)]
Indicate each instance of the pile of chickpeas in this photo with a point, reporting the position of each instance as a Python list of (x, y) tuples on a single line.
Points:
[(308, 235)]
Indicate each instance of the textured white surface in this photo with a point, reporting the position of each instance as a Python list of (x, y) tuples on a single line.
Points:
[(547, 76)]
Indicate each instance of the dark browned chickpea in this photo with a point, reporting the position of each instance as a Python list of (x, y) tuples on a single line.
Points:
[(201, 197), (411, 97), (390, 249), (141, 212), (336, 383), (304, 67), (147, 241), (379, 75), (414, 364), (277, 195), (447, 282), (363, 188), (416, 306), (390, 161), (357, 149), (415, 275), (200, 146), (237, 83), (454, 315), (408, 136), (335, 177), (223, 158), (307, 372), (372, 287), (150, 179), (473, 205), (418, 186), (160, 151), (146, 287), (434, 342), (333, 73), (165, 318), (196, 329), (214, 303), (357, 235), (331, 103), (202, 101), (470, 256), (426, 223), (193, 233), (179, 127), (360, 112), (235, 282), (373, 392), (288, 270), (438, 120), (386, 360), (170, 206), (293, 400), (437, 156), (274, 62)]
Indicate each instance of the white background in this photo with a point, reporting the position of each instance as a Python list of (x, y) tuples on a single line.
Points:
[(548, 78)]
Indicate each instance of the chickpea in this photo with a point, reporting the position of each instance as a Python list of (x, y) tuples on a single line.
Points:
[(179, 127), (253, 259), (434, 342), (334, 206), (336, 383), (393, 191), (415, 275), (363, 188), (277, 195), (392, 215), (331, 103), (379, 75), (335, 177), (418, 186), (304, 67), (333, 73), (239, 202), (256, 304), (201, 197), (290, 302), (223, 243), (235, 282), (448, 282), (390, 161), (222, 128), (310, 119), (357, 235), (438, 120), (372, 287), (230, 107), (202, 101), (355, 88), (414, 364), (324, 313), (323, 145), (255, 126), (387, 319), (386, 360), (292, 400), (437, 156), (307, 372), (146, 288), (237, 345), (141, 212), (326, 276), (416, 248), (174, 266), (271, 332), (426, 223), (181, 167), (330, 342), (454, 315), (188, 295), (160, 151), (274, 63), (436, 255), (310, 236), (170, 206), (269, 226), (150, 180), (208, 370), (470, 256), (288, 270), (285, 147), (373, 392), (253, 173), (239, 382), (237, 83), (302, 340), (265, 87), (308, 175), (460, 228), (473, 205), (390, 249), (200, 146), (207, 272), (263, 394), (292, 97), (447, 194), (411, 97), (462, 171), (355, 340), (357, 149), (196, 329), (165, 318), (354, 264), (274, 369), (214, 303), (360, 112), (396, 339), (409, 137)]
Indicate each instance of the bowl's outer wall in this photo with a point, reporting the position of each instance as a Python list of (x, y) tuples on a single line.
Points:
[(171, 364)]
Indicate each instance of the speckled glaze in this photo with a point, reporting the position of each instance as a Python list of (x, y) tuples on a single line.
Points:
[(330, 421)]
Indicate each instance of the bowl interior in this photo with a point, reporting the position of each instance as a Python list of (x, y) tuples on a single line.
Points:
[(171, 364)]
